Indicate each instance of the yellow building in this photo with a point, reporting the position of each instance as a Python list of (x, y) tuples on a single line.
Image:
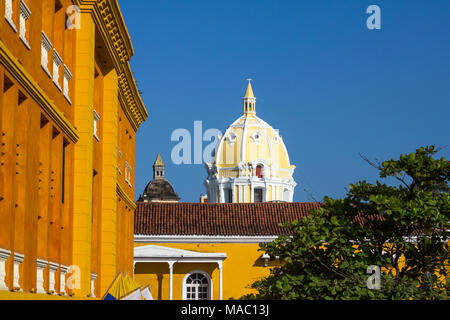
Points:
[(69, 112), (197, 251), (211, 250)]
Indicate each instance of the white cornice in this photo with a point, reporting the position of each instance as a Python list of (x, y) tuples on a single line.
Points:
[(18, 258), (202, 239), (4, 254)]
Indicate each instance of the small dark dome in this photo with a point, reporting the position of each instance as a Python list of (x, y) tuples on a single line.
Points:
[(160, 190)]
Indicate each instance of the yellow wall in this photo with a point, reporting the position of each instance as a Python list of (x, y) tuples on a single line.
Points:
[(85, 220), (241, 268)]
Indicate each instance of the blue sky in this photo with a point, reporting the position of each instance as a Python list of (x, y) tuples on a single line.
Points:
[(331, 86)]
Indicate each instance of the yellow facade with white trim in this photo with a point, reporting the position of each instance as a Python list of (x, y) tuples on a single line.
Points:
[(236, 279)]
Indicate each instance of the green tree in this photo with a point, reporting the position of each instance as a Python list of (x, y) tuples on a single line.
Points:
[(403, 228)]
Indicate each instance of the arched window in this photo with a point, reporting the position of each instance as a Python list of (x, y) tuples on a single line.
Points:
[(259, 171), (197, 287)]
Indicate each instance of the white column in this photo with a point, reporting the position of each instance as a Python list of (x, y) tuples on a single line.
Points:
[(62, 281), (53, 267), (233, 192), (220, 263), (4, 256), (18, 259), (93, 278), (171, 263), (40, 267), (222, 194)]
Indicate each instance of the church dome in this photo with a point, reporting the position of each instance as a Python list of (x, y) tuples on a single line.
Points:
[(159, 189), (252, 141), (253, 151)]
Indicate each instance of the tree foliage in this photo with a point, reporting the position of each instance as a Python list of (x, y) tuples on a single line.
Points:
[(403, 228)]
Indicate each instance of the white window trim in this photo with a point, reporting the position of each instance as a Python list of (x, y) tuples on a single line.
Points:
[(126, 172), (207, 276), (9, 14), (130, 169), (46, 47), (231, 139), (25, 14), (96, 120), (57, 62), (256, 137), (66, 80)]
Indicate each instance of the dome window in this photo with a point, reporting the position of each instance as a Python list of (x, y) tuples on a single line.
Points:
[(231, 138), (276, 137), (256, 137)]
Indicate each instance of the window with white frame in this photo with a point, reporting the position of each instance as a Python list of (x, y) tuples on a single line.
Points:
[(96, 121), (9, 14), (196, 287), (126, 171), (119, 154), (25, 14), (130, 170), (66, 80), (57, 62), (46, 46)]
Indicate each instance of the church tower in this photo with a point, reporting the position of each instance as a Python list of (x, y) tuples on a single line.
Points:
[(159, 189), (251, 162), (158, 168)]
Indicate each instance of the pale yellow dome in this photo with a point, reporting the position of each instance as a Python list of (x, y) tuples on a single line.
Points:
[(250, 140), (251, 162)]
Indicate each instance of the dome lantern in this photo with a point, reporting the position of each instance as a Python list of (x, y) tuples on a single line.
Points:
[(158, 168), (249, 99)]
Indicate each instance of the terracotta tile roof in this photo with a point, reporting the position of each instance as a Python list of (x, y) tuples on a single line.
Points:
[(254, 219)]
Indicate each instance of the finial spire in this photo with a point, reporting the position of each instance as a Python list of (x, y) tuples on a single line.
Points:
[(249, 99), (249, 92), (159, 161)]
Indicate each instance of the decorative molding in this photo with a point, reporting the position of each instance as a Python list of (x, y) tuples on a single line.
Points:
[(67, 78), (40, 267), (4, 256), (18, 259), (122, 194), (46, 46), (111, 26), (96, 120), (9, 14), (57, 62), (25, 14), (93, 278), (62, 282), (53, 267), (110, 23), (25, 80)]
